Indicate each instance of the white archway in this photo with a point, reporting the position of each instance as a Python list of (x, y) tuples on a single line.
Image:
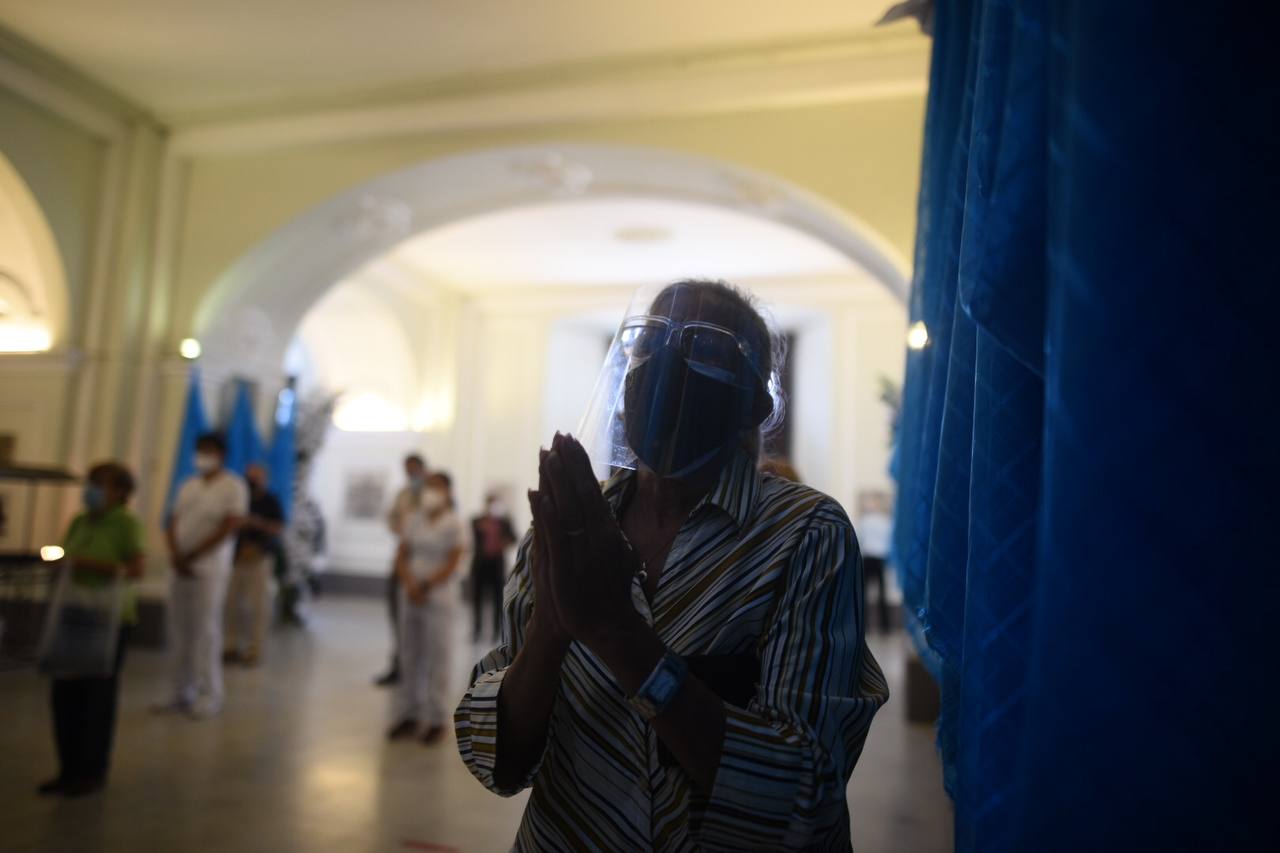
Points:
[(33, 284), (250, 313)]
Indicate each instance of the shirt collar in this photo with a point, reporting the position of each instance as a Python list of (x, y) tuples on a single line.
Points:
[(735, 492), (738, 488)]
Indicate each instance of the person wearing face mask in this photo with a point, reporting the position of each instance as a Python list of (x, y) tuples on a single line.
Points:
[(407, 501), (684, 664), (248, 594), (103, 544), (427, 567), (201, 536), (493, 535)]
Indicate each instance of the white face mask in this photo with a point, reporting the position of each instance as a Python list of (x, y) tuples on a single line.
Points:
[(434, 500), (207, 462), (497, 508)]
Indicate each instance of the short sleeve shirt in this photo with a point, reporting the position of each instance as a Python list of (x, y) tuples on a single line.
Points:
[(265, 505), (430, 542), (113, 537), (201, 507)]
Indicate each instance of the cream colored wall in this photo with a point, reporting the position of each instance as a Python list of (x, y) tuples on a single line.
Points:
[(852, 155), (524, 365), (63, 166), (145, 232), (92, 164)]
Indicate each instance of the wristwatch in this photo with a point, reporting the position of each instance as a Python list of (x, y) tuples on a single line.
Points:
[(661, 687)]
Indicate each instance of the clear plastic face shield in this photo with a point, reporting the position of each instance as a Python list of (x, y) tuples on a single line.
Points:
[(688, 377)]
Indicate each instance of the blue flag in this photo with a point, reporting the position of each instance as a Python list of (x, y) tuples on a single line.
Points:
[(281, 458), (193, 426), (244, 446)]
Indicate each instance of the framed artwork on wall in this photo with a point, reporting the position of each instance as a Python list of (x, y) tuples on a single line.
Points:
[(364, 494)]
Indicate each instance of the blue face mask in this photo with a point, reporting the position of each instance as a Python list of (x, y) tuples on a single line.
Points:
[(681, 417), (95, 499)]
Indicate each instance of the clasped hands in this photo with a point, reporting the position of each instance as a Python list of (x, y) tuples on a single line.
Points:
[(182, 564), (581, 563), (419, 592)]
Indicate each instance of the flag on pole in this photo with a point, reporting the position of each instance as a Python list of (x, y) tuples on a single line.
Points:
[(194, 425), (244, 446), (282, 457)]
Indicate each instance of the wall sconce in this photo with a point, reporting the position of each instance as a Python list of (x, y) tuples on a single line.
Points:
[(917, 336)]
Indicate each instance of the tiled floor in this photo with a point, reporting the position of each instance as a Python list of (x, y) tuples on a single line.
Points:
[(297, 762)]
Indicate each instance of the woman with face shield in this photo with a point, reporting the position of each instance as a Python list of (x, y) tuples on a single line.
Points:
[(684, 665)]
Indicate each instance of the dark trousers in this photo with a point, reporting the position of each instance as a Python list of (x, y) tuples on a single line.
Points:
[(393, 613), (486, 585), (84, 720), (873, 569)]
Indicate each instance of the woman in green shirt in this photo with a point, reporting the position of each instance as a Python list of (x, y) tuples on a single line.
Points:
[(102, 544)]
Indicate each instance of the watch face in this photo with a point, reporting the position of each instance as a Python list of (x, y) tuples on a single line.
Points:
[(664, 685)]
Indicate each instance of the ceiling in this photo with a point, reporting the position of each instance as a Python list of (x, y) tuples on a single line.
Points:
[(614, 241), (183, 59)]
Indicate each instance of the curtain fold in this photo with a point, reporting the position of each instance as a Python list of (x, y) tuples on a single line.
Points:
[(1087, 453)]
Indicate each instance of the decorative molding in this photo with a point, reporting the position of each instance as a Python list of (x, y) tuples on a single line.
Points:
[(45, 80), (842, 69), (292, 267), (47, 287), (60, 362), (59, 101)]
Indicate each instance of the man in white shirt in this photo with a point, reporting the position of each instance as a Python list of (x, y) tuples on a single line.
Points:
[(201, 536), (408, 501)]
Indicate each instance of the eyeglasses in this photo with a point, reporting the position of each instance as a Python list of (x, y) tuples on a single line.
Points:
[(703, 344)]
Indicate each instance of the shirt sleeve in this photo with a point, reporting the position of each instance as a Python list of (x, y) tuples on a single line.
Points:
[(476, 720), (181, 499), (458, 535), (239, 498), (132, 544), (68, 538), (271, 508), (788, 756), (395, 515)]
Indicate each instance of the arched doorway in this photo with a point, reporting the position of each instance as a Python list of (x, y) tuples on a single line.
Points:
[(498, 364), (253, 308), (33, 288)]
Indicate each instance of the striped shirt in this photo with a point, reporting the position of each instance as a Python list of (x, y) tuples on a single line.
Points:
[(763, 567)]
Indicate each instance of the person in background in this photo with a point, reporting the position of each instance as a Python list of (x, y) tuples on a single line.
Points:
[(201, 536), (875, 529), (493, 535), (408, 501), (103, 543), (427, 568), (249, 593)]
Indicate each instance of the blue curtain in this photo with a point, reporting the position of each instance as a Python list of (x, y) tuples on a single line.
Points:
[(1087, 455), (193, 425), (282, 458), (244, 446)]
